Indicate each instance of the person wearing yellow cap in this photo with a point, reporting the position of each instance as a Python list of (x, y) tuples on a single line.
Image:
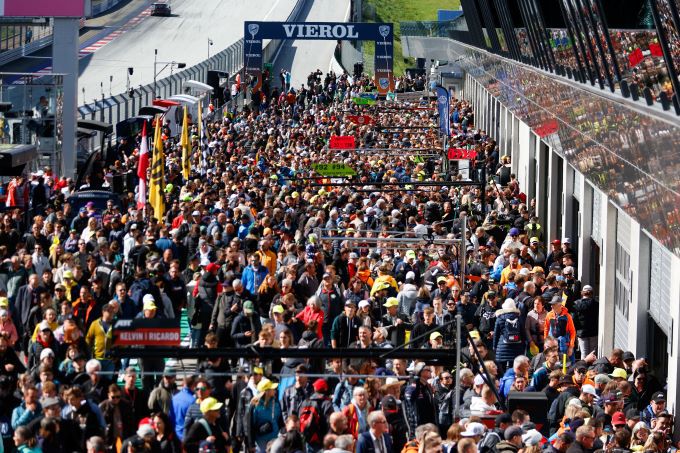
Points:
[(265, 415), (206, 428), (436, 340), (396, 323)]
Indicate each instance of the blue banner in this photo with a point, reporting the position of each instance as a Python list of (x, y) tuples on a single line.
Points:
[(443, 109), (320, 30), (381, 33)]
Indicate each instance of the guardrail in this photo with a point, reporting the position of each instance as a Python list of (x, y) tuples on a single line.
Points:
[(103, 6), (123, 106), (10, 55)]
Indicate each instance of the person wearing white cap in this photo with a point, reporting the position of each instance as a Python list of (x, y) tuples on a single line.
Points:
[(585, 313), (474, 430), (588, 397), (474, 392)]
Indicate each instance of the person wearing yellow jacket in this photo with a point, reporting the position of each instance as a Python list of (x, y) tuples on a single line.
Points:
[(99, 338), (383, 277)]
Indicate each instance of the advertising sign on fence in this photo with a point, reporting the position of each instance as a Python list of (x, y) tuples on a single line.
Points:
[(147, 332), (342, 142)]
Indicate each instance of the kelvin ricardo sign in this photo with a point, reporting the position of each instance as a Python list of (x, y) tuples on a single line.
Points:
[(381, 33), (147, 332)]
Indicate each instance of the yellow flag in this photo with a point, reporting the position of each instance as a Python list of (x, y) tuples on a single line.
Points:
[(157, 174), (184, 142)]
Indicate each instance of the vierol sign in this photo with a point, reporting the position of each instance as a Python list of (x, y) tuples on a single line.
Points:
[(381, 34)]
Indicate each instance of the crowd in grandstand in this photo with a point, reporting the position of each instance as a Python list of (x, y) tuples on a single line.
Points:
[(255, 249)]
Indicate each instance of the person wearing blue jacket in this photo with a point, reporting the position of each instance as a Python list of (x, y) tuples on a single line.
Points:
[(181, 403), (28, 410), (520, 367), (265, 416), (509, 339), (253, 274)]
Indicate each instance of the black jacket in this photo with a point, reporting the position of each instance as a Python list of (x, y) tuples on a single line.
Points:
[(585, 314), (243, 324)]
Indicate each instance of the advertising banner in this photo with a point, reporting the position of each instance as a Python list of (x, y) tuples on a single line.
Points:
[(42, 8), (342, 142), (380, 33), (147, 332), (361, 119)]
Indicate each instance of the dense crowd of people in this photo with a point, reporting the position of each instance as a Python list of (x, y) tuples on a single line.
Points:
[(256, 249)]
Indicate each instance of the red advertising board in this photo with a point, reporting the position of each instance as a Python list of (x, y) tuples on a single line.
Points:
[(147, 332), (342, 142), (461, 154), (360, 119)]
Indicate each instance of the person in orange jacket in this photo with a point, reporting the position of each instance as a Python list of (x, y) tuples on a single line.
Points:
[(560, 325)]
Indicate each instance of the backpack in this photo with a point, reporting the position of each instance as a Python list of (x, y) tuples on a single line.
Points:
[(512, 332), (310, 423)]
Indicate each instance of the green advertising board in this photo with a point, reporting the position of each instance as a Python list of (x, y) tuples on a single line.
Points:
[(332, 170)]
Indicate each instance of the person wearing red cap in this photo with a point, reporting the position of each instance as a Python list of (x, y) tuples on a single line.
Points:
[(205, 294), (314, 414), (555, 255)]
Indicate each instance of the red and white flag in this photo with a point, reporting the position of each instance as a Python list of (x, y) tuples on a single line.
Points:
[(142, 168)]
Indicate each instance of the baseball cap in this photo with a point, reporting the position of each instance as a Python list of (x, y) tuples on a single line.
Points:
[(364, 303), (145, 430), (248, 306), (148, 302), (68, 274), (503, 418), (659, 397), (534, 240), (389, 403), (628, 355), (602, 379), (320, 386), (588, 389), (441, 279), (532, 437), (4, 302), (210, 404), (610, 398), (556, 242), (474, 429), (435, 335), (47, 352), (619, 373), (512, 431), (566, 241), (514, 232), (391, 302), (212, 267), (410, 254), (265, 384), (278, 309), (479, 380), (555, 300), (49, 401), (44, 325), (618, 418), (587, 288)]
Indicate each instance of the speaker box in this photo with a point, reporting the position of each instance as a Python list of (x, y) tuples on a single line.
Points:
[(535, 404)]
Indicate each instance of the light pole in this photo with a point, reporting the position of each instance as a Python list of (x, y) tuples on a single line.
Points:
[(172, 64), (210, 43)]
